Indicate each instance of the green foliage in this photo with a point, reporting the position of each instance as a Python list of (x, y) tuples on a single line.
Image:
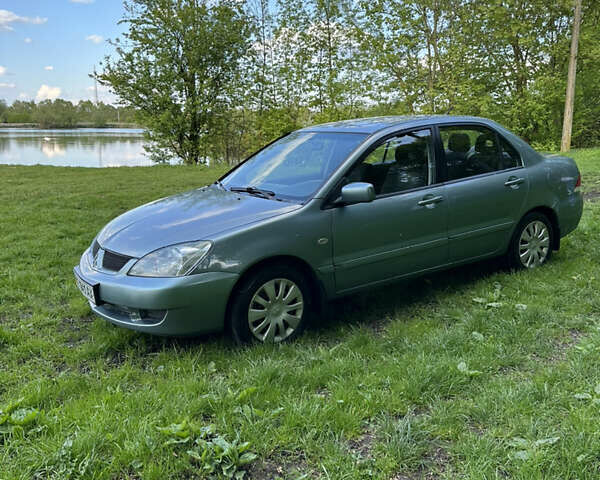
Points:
[(320, 61), (20, 112), (374, 390), (212, 454), (219, 458), (64, 114), (15, 420), (55, 113), (175, 66), (3, 110), (503, 60), (218, 80)]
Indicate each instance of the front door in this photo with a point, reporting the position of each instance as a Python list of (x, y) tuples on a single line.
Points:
[(403, 230)]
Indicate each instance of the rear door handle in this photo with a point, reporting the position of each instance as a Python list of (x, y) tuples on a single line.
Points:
[(430, 200), (513, 181)]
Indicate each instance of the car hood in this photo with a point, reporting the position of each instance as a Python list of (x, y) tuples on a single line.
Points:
[(195, 215)]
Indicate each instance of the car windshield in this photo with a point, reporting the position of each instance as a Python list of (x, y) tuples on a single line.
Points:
[(295, 166)]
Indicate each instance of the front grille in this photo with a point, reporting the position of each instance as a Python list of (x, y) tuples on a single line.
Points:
[(114, 261), (95, 248)]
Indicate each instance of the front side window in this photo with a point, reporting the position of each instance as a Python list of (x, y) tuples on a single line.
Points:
[(400, 163), (295, 166), (474, 150)]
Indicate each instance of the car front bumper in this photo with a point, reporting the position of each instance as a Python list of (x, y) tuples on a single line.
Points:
[(190, 305)]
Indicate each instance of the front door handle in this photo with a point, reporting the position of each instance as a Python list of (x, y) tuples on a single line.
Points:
[(430, 201), (514, 182)]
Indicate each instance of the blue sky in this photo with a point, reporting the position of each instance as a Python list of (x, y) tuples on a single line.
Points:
[(48, 47)]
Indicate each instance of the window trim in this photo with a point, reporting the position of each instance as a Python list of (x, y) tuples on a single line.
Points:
[(329, 198), (444, 166)]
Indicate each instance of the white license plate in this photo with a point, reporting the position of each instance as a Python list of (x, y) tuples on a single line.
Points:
[(88, 291)]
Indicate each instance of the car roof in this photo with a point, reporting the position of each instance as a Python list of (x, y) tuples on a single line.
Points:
[(371, 125)]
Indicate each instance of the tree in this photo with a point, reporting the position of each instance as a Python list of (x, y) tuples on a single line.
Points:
[(175, 66), (20, 112), (3, 110), (58, 113), (570, 97)]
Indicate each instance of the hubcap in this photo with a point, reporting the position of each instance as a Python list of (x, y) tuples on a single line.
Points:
[(275, 310), (534, 244)]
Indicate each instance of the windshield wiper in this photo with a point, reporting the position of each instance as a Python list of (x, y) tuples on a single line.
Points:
[(254, 191)]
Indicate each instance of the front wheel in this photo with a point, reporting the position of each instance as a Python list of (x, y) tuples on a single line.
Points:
[(270, 306), (531, 245)]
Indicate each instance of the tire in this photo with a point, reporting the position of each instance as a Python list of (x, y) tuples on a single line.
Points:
[(531, 243), (273, 305)]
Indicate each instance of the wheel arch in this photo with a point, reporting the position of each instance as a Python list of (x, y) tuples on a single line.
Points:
[(549, 213), (317, 289)]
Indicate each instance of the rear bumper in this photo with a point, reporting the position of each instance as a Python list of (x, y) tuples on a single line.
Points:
[(190, 305), (569, 213)]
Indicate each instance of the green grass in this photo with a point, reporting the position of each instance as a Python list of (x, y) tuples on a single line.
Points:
[(472, 373)]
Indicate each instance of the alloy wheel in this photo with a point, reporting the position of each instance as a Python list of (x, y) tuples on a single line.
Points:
[(534, 244), (275, 310)]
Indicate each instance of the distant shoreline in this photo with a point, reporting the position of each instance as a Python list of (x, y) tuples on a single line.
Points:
[(79, 125)]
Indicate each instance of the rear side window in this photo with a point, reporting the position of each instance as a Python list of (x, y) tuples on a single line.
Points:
[(510, 157), (474, 150)]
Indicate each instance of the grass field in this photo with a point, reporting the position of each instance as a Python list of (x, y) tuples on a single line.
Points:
[(473, 373)]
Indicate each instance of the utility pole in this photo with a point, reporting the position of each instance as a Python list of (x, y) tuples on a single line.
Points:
[(565, 144), (95, 86)]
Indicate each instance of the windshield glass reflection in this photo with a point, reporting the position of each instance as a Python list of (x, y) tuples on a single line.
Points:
[(295, 166)]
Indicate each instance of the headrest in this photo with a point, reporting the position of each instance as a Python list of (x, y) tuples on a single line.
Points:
[(408, 153), (486, 143), (459, 142)]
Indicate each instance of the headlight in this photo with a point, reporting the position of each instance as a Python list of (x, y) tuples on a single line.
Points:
[(173, 261)]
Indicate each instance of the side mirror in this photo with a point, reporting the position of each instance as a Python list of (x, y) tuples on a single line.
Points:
[(357, 192)]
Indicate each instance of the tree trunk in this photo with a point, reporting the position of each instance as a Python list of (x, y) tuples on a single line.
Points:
[(568, 117)]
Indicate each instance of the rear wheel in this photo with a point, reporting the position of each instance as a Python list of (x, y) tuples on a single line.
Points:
[(531, 245), (271, 306)]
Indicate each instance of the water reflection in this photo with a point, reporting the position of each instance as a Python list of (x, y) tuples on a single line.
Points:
[(52, 150), (85, 147)]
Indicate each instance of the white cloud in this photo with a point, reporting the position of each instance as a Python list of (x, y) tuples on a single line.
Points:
[(101, 88), (87, 2), (7, 85), (47, 93), (94, 38), (2, 70), (27, 40), (7, 18), (49, 68), (23, 96), (105, 94)]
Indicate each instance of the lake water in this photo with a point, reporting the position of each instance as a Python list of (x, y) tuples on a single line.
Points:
[(81, 147)]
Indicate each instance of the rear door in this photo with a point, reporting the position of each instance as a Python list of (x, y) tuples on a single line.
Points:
[(403, 230), (486, 189)]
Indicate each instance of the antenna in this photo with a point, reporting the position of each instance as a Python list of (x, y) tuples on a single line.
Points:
[(95, 86)]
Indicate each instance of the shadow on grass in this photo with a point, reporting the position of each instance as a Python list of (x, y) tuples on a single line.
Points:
[(372, 308), (375, 307)]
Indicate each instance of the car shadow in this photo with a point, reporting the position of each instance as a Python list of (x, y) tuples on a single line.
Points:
[(375, 307)]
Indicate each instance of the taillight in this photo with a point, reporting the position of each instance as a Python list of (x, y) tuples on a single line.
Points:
[(578, 183)]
